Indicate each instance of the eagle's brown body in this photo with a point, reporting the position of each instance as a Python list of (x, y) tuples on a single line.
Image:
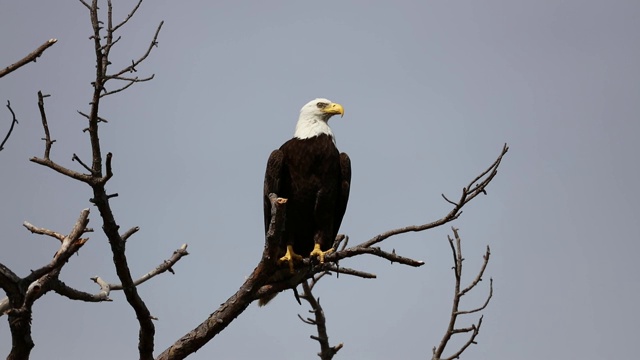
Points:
[(315, 178)]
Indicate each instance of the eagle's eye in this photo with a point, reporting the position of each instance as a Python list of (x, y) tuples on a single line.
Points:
[(321, 105)]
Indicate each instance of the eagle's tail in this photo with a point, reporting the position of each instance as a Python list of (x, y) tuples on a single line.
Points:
[(265, 299)]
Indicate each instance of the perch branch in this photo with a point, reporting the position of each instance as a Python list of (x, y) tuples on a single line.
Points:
[(260, 283), (239, 301)]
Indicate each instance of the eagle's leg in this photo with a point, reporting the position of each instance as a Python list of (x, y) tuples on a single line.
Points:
[(319, 253), (290, 257)]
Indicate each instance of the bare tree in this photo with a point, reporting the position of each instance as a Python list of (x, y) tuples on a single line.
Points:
[(268, 277)]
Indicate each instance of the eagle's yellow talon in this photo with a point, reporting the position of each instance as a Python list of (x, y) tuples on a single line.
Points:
[(290, 257), (319, 253)]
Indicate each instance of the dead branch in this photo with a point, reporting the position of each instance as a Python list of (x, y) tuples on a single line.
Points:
[(14, 121), (64, 290), (46, 160), (22, 293), (239, 301), (43, 231), (33, 56), (166, 265), (8, 282), (473, 189), (134, 63), (326, 351), (105, 288), (474, 329), (131, 81)]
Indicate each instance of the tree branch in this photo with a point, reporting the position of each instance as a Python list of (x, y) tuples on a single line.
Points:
[(475, 187), (326, 351), (134, 63), (239, 301), (27, 290), (14, 121), (474, 329), (166, 265), (43, 231), (69, 245), (27, 59), (105, 288)]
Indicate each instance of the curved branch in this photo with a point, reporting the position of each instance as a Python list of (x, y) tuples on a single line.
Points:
[(475, 187), (14, 121)]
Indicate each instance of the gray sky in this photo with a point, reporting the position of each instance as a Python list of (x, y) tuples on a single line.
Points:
[(431, 91)]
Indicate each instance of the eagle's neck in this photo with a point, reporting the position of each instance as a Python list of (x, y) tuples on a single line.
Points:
[(310, 126)]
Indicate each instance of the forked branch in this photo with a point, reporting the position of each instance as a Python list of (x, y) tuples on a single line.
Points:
[(474, 329), (22, 293), (167, 265), (319, 320)]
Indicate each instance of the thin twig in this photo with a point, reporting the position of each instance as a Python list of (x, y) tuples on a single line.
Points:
[(115, 28), (132, 67), (87, 116), (166, 265), (477, 185), (43, 116), (131, 82), (76, 158), (14, 121)]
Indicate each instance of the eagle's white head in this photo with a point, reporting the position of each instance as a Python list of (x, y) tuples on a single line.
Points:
[(314, 117)]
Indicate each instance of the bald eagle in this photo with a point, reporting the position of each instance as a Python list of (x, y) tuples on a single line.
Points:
[(315, 177)]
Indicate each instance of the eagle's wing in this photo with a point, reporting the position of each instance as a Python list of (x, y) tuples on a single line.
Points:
[(272, 178), (345, 185)]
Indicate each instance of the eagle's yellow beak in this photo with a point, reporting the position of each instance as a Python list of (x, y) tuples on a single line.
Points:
[(334, 109)]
